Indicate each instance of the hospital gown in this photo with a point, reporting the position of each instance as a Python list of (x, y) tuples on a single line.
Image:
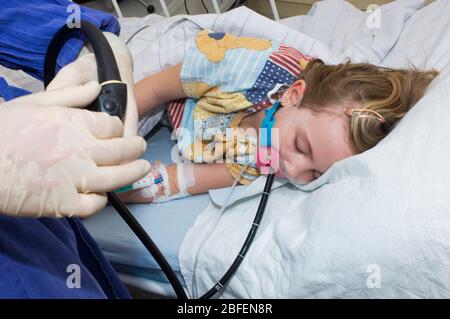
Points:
[(227, 78)]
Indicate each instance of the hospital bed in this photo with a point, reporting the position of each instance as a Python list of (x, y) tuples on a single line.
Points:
[(332, 30), (375, 225)]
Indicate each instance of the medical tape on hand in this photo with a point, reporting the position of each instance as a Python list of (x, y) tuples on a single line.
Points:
[(161, 169), (185, 176)]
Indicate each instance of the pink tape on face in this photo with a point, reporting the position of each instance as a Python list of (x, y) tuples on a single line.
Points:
[(268, 160)]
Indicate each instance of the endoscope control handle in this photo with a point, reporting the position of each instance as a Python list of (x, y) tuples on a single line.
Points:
[(112, 100)]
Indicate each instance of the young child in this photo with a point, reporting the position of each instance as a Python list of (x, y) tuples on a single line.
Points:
[(328, 113)]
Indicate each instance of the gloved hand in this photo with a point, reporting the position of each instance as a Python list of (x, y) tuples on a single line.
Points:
[(84, 69), (59, 161)]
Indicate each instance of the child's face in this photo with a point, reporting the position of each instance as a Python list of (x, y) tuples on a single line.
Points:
[(311, 142)]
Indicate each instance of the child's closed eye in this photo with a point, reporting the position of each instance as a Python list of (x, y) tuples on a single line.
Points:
[(297, 147)]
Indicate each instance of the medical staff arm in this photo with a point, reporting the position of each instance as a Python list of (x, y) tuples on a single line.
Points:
[(27, 27), (158, 88)]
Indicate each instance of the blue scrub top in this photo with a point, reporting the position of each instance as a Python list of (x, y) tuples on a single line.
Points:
[(27, 27), (43, 257)]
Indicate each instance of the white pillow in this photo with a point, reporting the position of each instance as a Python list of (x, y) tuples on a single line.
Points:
[(425, 40), (351, 32)]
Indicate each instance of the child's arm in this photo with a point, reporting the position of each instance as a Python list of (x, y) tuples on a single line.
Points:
[(158, 88), (205, 177)]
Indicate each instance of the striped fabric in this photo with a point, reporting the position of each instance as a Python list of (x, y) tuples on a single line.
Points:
[(289, 59), (175, 110)]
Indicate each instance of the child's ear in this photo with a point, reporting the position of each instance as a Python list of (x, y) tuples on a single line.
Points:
[(294, 95)]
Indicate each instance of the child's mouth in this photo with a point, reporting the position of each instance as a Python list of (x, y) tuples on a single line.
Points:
[(281, 170)]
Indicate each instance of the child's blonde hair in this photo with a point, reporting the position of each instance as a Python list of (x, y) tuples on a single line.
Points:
[(389, 92)]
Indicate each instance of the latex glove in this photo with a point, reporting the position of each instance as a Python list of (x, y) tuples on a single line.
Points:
[(59, 161), (84, 69)]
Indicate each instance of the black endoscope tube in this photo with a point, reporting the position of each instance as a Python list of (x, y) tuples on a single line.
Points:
[(108, 70), (248, 241), (145, 239)]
